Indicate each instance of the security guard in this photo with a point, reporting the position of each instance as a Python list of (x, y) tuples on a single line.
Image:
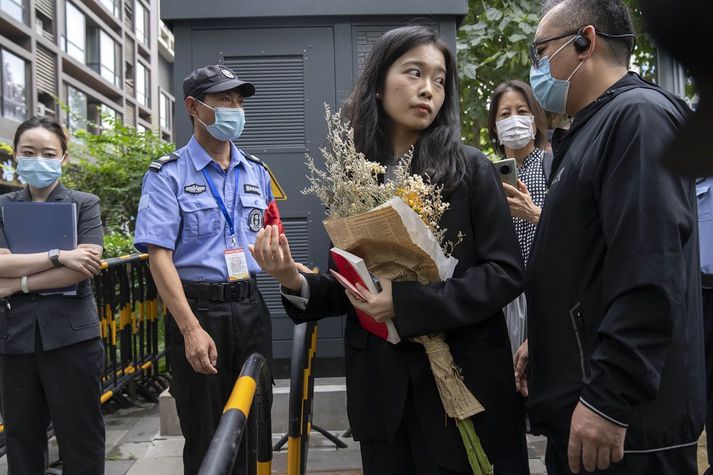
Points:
[(200, 208)]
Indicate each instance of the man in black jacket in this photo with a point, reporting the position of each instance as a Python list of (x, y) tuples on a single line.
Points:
[(616, 362)]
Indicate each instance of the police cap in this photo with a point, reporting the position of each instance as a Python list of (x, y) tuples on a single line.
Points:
[(212, 79)]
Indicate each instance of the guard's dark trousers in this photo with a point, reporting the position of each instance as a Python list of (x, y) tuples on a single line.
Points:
[(239, 327), (62, 385)]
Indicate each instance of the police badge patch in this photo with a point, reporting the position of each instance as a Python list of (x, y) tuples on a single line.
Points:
[(227, 73), (254, 189), (194, 189), (255, 220)]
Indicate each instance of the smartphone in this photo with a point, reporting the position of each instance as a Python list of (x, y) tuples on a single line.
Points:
[(508, 171)]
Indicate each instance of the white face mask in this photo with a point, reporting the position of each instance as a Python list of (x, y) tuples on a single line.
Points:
[(517, 131)]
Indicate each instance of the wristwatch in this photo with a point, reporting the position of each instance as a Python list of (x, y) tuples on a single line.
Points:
[(54, 257)]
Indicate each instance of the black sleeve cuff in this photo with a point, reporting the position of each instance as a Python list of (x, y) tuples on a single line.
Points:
[(620, 416)]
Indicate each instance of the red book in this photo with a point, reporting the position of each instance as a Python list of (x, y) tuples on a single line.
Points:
[(351, 270)]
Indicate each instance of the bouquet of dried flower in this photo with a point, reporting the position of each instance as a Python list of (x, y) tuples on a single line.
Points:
[(394, 226)]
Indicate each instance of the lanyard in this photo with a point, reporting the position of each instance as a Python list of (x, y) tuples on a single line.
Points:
[(221, 204)]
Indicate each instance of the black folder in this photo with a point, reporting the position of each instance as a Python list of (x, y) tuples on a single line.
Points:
[(38, 227)]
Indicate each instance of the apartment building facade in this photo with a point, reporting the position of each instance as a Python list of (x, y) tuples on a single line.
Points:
[(83, 61)]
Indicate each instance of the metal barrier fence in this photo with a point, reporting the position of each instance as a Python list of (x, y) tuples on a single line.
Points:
[(304, 350), (246, 415), (128, 306)]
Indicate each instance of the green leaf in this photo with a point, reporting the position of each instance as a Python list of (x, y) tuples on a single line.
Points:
[(493, 14), (470, 71), (515, 37)]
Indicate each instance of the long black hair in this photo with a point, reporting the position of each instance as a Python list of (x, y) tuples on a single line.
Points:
[(438, 152)]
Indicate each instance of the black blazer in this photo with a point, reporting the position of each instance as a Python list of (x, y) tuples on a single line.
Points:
[(467, 307), (60, 321)]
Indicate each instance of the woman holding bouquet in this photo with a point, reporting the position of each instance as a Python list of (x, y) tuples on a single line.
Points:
[(407, 97)]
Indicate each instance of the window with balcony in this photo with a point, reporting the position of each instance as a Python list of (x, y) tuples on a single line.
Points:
[(142, 85), (106, 116), (141, 23), (75, 37), (113, 6), (14, 86), (88, 113), (109, 62), (17, 9), (77, 113), (165, 112)]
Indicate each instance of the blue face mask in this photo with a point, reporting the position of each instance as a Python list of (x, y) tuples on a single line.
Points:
[(228, 125), (39, 172), (550, 92)]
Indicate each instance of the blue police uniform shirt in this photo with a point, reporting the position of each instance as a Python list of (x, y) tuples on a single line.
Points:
[(704, 195), (177, 211)]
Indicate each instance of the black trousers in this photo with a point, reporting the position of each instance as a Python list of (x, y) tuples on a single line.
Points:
[(238, 328), (61, 385), (667, 462), (708, 336), (409, 454)]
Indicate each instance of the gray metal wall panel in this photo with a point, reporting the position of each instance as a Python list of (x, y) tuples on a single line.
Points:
[(275, 115), (192, 10)]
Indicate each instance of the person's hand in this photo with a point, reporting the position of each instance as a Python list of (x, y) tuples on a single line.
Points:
[(272, 253), (303, 268), (593, 441), (9, 286), (521, 360), (84, 260), (520, 202), (200, 351), (380, 306)]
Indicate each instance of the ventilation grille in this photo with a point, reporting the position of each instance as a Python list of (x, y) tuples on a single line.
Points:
[(276, 114), (46, 7), (46, 70), (129, 50), (130, 114), (297, 234), (364, 41), (129, 15)]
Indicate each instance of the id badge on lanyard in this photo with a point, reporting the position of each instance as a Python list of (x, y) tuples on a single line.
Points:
[(235, 260)]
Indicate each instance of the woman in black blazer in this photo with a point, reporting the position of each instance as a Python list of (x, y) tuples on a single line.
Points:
[(51, 355), (407, 96)]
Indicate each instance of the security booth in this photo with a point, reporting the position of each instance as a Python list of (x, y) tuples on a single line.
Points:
[(300, 55)]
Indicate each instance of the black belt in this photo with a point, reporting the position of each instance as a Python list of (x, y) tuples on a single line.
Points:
[(220, 291)]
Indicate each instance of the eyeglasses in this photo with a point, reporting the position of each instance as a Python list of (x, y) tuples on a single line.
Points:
[(534, 55)]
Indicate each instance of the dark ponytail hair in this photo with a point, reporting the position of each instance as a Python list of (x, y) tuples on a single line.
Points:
[(44, 122), (438, 152)]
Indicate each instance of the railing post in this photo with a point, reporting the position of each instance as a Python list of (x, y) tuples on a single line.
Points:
[(250, 391)]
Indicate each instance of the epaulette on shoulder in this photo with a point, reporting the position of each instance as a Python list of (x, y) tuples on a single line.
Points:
[(253, 158), (156, 165)]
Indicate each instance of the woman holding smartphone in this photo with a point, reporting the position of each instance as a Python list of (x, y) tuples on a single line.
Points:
[(51, 355), (517, 129), (407, 97)]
